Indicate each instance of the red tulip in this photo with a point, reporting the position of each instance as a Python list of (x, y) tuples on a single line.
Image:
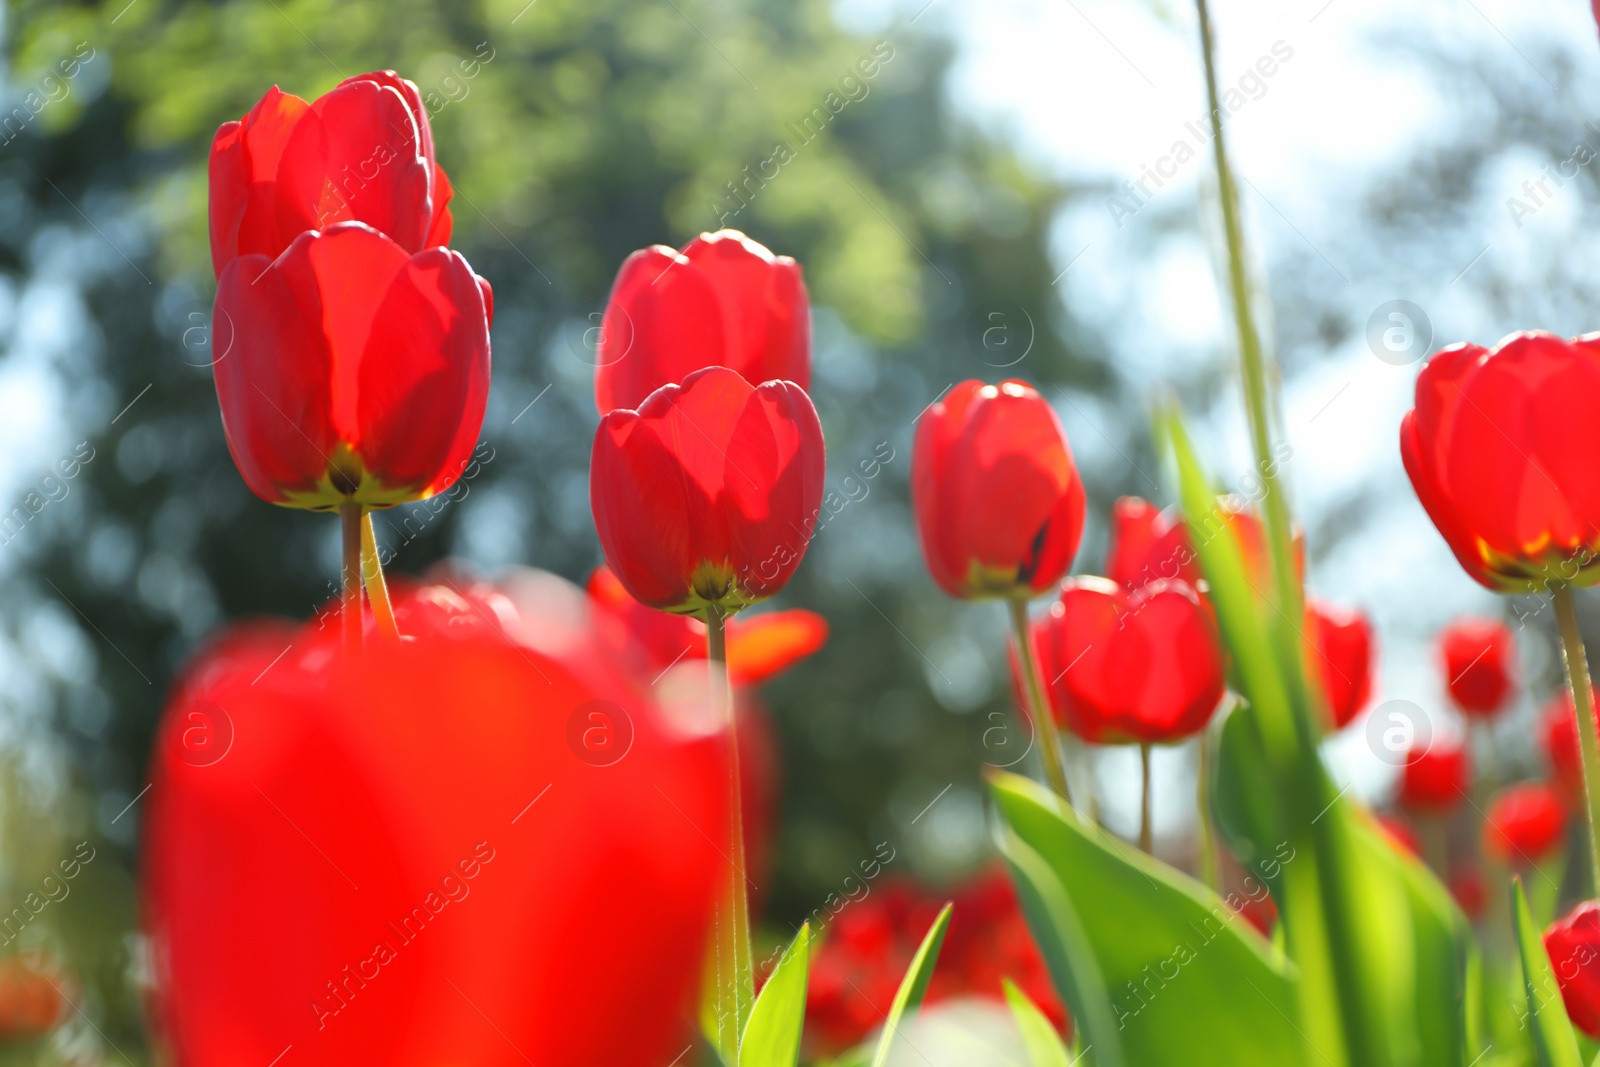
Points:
[(377, 838), (1122, 667), (1561, 744), (362, 152), (998, 500), (759, 646), (724, 301), (1435, 779), (1467, 887), (1524, 823), (350, 370), (1479, 656), (1341, 654), (1148, 544), (1499, 449), (1573, 944), (34, 996), (708, 493)]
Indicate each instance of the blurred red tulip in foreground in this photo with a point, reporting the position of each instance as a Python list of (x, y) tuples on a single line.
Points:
[(1524, 823), (1500, 451), (362, 152), (723, 301), (1479, 656), (483, 844), (1123, 667), (1573, 943), (708, 493), (998, 500), (350, 370)]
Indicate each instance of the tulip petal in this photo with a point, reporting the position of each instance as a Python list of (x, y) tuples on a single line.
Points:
[(768, 644), (424, 374), (766, 315), (662, 322), (243, 171)]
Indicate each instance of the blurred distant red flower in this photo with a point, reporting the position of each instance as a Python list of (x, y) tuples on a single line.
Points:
[(1479, 658), (1573, 943), (377, 837), (350, 370), (1122, 667), (1148, 544), (857, 969), (1561, 744), (362, 152), (1524, 823), (723, 301), (1499, 449), (1467, 887), (1435, 779), (707, 494), (998, 500)]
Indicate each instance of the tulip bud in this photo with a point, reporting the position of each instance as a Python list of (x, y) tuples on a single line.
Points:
[(1436, 779), (1524, 824), (706, 497), (998, 500), (1573, 944), (1500, 449)]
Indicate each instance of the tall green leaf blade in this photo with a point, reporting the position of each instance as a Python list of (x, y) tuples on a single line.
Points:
[(772, 1036), (914, 985), (1067, 950), (1189, 981), (1038, 1032), (1553, 1039)]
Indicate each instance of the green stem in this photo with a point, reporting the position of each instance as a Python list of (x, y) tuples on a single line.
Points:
[(1208, 836), (734, 975), (372, 576), (1588, 740), (1055, 771), (1146, 838), (350, 597)]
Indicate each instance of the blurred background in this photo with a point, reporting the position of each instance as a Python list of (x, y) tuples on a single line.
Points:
[(1019, 191)]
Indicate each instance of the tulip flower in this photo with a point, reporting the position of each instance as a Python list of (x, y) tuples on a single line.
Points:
[(1435, 780), (1148, 544), (351, 371), (723, 301), (704, 498), (998, 500), (1561, 745), (1573, 944), (1524, 823), (376, 835), (1467, 886), (1131, 667), (1499, 449), (1341, 653), (760, 647), (362, 152), (1479, 656)]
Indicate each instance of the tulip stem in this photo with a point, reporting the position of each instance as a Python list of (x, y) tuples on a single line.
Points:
[(735, 977), (372, 577), (350, 599), (1146, 837), (1038, 707), (1577, 662)]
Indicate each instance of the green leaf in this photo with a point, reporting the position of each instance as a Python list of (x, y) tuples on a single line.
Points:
[(1547, 1015), (772, 1036), (1185, 979), (1038, 1032), (913, 985)]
